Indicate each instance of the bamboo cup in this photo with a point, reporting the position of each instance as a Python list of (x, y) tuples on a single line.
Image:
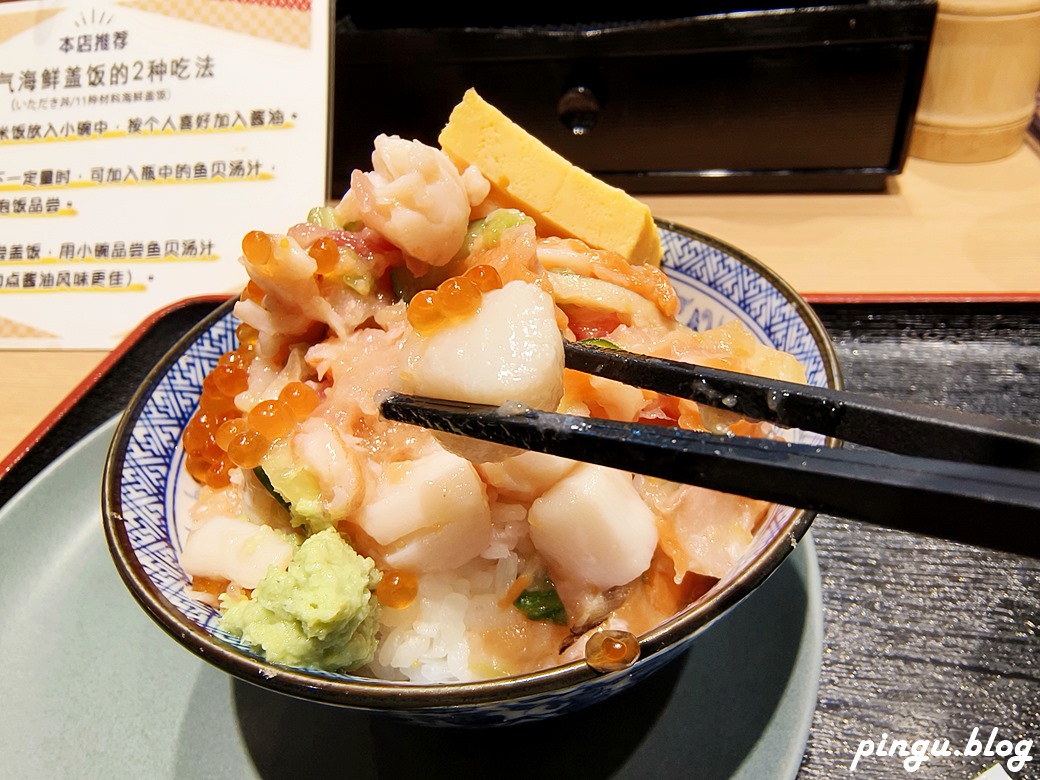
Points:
[(980, 84)]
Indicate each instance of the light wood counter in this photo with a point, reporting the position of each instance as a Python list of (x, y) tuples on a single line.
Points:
[(940, 229)]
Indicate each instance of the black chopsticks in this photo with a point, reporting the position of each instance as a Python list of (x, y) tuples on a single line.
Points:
[(895, 426), (966, 491)]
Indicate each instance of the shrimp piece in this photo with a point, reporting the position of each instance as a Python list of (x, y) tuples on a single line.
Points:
[(285, 274), (361, 363), (291, 309), (266, 380), (296, 303), (319, 492), (333, 460), (416, 198)]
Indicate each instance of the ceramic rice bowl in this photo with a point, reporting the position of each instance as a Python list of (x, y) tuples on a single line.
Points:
[(145, 511)]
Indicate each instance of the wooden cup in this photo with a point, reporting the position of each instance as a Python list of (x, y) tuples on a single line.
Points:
[(980, 85)]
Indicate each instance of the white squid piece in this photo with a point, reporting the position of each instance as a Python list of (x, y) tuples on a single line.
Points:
[(227, 548)]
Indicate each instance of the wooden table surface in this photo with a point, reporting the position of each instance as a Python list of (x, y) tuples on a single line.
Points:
[(940, 228)]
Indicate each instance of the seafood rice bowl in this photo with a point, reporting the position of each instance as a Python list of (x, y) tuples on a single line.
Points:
[(266, 514)]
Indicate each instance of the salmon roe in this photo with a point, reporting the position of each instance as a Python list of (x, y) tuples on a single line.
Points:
[(397, 589), (611, 651), (325, 252), (301, 399), (231, 375), (219, 436), (252, 292), (247, 449), (199, 433), (458, 297), (454, 299), (215, 441), (219, 474), (271, 419), (256, 246), (217, 420), (228, 431), (423, 313), (485, 277), (247, 337)]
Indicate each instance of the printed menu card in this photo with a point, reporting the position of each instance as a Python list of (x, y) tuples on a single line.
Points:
[(139, 142)]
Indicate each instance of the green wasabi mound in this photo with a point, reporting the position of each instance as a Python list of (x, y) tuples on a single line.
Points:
[(320, 612)]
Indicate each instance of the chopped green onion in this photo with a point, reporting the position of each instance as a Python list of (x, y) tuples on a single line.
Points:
[(323, 216), (489, 229), (542, 604)]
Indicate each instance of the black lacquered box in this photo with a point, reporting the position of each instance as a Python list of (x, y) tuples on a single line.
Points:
[(740, 97)]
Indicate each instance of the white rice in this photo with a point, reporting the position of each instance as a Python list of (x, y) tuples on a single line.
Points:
[(427, 642)]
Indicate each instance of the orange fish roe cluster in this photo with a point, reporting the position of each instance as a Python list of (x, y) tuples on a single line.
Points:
[(207, 461), (454, 299), (247, 448), (258, 248), (219, 437)]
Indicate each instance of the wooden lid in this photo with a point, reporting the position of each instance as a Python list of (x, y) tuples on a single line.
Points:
[(965, 145)]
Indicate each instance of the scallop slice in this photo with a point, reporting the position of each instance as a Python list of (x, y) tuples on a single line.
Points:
[(527, 475), (511, 349), (428, 514), (594, 527)]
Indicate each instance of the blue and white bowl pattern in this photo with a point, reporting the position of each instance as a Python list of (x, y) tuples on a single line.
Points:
[(151, 493)]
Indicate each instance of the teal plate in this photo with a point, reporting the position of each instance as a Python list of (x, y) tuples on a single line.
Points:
[(92, 688)]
